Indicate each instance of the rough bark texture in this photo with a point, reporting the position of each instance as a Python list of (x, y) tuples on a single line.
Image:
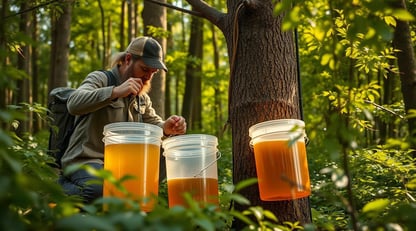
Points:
[(61, 33), (191, 109), (407, 68), (264, 87), (155, 15)]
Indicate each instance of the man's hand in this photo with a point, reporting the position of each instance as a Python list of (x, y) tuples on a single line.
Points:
[(174, 125), (131, 86)]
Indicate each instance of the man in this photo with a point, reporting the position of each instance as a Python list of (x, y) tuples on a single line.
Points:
[(126, 101)]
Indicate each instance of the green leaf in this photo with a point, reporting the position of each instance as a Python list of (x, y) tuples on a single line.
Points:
[(245, 183), (325, 59), (403, 15), (412, 184), (391, 21), (376, 206)]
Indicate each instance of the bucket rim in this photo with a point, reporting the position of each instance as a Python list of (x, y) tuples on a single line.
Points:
[(129, 126), (276, 126), (190, 139)]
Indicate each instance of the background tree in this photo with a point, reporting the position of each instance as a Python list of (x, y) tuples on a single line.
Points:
[(154, 24), (191, 109), (59, 63), (407, 69), (24, 64)]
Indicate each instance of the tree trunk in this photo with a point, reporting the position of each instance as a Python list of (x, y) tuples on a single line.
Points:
[(104, 56), (218, 110), (122, 21), (155, 15), (36, 89), (263, 86), (61, 24), (23, 63), (407, 69), (191, 109)]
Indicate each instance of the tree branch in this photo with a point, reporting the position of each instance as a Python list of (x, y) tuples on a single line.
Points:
[(208, 12), (195, 13), (203, 10), (30, 9)]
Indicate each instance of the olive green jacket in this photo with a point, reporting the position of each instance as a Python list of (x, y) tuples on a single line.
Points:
[(92, 99)]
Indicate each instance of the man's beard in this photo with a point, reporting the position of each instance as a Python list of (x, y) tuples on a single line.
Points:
[(146, 88), (146, 84)]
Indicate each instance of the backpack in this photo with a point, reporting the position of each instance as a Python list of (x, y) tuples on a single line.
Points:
[(62, 122)]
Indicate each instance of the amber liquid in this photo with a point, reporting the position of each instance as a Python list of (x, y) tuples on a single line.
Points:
[(141, 161), (282, 171), (202, 190)]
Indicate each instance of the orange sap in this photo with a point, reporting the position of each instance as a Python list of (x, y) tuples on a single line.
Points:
[(203, 190), (141, 161), (282, 171)]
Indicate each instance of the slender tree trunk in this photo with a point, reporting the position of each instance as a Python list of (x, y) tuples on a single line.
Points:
[(169, 81), (3, 60), (104, 56), (218, 102), (23, 63), (131, 20), (191, 109), (36, 90), (155, 15), (61, 24), (122, 21), (407, 68)]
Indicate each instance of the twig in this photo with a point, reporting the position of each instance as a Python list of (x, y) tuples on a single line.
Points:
[(30, 9), (195, 13), (383, 108)]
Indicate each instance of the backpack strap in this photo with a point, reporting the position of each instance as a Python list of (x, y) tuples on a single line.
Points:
[(111, 79)]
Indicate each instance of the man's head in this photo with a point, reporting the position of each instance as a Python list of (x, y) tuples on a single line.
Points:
[(149, 51), (141, 60)]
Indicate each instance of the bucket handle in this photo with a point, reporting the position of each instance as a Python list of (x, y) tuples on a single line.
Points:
[(218, 156)]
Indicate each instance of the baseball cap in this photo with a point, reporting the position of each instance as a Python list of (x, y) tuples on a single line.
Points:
[(149, 50)]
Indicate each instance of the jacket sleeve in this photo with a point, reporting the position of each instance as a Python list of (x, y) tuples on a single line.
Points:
[(92, 95)]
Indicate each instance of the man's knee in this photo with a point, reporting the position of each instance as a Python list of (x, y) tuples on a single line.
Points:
[(92, 191)]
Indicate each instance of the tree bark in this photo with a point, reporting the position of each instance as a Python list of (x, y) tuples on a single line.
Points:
[(191, 109), (23, 63), (155, 15), (61, 33), (218, 110), (407, 69), (104, 57), (263, 86)]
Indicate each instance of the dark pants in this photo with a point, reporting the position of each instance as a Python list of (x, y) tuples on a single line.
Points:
[(77, 184)]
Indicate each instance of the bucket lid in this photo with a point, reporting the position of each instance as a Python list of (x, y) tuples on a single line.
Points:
[(276, 126), (184, 141), (132, 128)]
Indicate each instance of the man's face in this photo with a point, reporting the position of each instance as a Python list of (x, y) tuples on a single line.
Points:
[(137, 69)]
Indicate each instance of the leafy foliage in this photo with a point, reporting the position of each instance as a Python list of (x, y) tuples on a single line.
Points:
[(363, 175)]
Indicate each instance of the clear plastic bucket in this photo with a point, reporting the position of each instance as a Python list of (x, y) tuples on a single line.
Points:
[(191, 167), (281, 162), (133, 149)]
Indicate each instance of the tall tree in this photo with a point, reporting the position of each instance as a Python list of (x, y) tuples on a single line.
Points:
[(155, 16), (61, 32), (122, 22), (407, 68), (191, 109), (263, 86), (23, 63)]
